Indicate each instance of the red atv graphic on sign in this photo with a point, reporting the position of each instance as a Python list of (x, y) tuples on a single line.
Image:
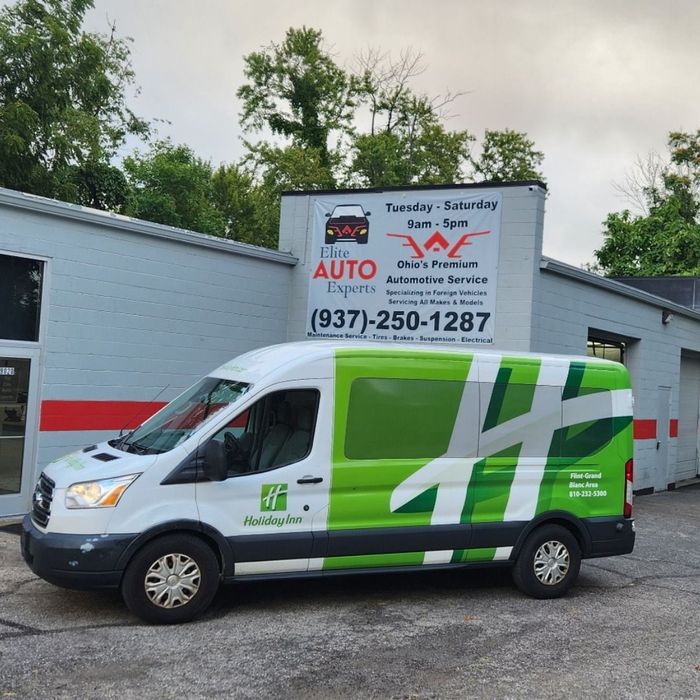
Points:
[(347, 222), (437, 243)]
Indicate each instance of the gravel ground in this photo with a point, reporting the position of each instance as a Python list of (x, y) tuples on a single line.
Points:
[(630, 628)]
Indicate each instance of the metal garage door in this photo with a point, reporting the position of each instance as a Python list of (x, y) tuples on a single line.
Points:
[(689, 396)]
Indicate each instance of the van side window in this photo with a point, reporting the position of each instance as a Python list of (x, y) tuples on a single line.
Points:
[(275, 431), (401, 418)]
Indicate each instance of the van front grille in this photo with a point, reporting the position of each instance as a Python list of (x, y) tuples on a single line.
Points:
[(41, 500)]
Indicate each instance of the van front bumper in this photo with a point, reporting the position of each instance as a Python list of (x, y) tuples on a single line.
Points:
[(74, 561)]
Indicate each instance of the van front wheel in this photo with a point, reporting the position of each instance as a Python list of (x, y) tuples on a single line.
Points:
[(172, 579), (548, 563)]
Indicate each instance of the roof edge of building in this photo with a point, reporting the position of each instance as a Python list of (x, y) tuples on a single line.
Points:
[(489, 184), (77, 212), (565, 270)]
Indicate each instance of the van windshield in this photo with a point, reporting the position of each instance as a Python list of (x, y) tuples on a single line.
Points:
[(179, 419)]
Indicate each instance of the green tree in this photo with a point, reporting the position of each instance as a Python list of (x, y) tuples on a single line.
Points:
[(171, 185), (233, 195), (250, 209), (367, 127), (407, 142), (94, 184), (507, 156), (664, 239), (297, 90), (63, 111), (280, 169)]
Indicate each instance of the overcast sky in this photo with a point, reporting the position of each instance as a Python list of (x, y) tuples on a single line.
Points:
[(593, 83)]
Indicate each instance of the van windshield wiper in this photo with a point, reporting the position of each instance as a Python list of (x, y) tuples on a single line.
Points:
[(138, 449)]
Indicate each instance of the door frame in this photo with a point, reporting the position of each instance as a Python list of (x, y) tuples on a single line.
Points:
[(18, 503), (663, 416), (677, 476)]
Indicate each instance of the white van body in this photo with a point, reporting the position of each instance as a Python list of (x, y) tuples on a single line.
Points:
[(289, 461)]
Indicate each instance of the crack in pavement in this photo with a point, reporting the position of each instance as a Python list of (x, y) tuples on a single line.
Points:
[(675, 590), (19, 626), (650, 580), (26, 631), (18, 586), (658, 561)]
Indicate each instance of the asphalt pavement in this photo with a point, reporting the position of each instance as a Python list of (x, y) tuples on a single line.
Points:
[(630, 628)]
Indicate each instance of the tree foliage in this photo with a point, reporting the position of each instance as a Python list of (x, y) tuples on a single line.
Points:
[(172, 186), (365, 127), (508, 156), (297, 90), (245, 202), (63, 111), (407, 143), (665, 238), (313, 125)]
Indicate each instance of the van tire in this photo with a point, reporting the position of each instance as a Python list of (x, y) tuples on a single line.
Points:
[(154, 587), (548, 563)]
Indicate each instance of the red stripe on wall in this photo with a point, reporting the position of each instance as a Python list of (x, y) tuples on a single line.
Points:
[(95, 415), (644, 429), (104, 415), (118, 415)]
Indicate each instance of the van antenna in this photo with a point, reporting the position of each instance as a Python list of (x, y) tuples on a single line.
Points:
[(136, 413)]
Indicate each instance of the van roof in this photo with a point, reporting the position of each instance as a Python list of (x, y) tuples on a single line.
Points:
[(254, 365)]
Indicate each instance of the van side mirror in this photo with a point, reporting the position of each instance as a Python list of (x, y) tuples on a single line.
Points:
[(215, 467)]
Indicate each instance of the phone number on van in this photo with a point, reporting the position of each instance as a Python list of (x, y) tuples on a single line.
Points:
[(359, 320)]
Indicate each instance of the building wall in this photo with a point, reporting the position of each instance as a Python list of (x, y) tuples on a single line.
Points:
[(539, 311), (132, 317), (519, 257), (564, 312), (134, 313)]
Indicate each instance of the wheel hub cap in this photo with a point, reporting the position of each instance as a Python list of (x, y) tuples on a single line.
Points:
[(172, 581), (551, 563)]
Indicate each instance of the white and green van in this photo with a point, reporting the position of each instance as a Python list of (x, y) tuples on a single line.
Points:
[(320, 458)]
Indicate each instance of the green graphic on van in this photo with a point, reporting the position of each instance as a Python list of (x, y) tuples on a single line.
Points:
[(441, 439), (273, 497)]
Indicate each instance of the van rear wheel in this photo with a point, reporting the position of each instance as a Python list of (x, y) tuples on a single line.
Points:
[(548, 563), (172, 579)]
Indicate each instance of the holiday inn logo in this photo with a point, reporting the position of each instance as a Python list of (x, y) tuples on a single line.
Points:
[(273, 497)]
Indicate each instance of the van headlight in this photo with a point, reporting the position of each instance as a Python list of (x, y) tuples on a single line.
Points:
[(104, 493)]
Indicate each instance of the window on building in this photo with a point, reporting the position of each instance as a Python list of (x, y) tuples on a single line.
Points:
[(20, 297), (606, 349)]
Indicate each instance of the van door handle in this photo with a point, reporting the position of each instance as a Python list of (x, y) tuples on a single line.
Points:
[(310, 480)]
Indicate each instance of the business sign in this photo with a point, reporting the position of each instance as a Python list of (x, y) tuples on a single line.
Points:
[(405, 266)]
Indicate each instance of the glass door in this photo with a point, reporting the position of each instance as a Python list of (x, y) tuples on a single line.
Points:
[(18, 427)]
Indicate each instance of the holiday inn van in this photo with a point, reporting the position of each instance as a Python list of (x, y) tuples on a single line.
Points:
[(319, 458)]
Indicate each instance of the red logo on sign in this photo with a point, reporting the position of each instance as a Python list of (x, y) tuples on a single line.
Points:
[(437, 243)]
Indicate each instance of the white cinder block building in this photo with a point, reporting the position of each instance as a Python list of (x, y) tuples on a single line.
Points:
[(105, 318)]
